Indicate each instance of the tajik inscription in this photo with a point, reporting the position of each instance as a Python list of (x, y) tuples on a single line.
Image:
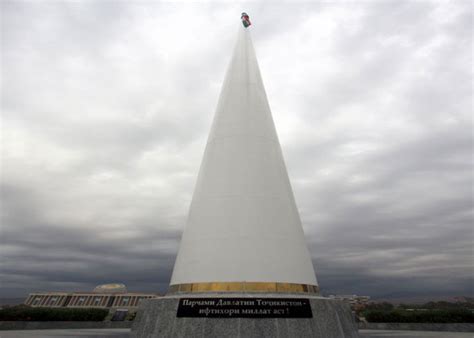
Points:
[(245, 308)]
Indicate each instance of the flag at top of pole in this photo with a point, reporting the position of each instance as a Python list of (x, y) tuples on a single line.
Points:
[(245, 20)]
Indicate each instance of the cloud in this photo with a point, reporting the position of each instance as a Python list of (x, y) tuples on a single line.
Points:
[(106, 109)]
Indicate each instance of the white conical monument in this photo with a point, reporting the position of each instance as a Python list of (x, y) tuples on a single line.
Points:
[(243, 269), (243, 232)]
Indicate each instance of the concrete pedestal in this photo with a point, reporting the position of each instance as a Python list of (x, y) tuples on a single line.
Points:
[(157, 318)]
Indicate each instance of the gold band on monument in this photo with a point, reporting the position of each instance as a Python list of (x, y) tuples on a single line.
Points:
[(244, 287)]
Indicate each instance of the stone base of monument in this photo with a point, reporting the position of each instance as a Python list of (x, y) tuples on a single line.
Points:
[(244, 315)]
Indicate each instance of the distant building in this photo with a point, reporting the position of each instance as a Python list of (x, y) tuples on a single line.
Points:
[(352, 299), (108, 296)]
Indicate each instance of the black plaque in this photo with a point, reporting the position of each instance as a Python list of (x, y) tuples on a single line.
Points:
[(244, 308)]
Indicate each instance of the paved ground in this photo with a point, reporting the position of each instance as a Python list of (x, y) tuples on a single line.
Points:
[(81, 333), (412, 334), (125, 333)]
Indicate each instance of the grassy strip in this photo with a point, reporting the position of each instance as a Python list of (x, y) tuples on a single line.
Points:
[(420, 316), (52, 314)]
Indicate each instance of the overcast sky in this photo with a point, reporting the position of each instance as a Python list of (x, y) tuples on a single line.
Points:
[(106, 107)]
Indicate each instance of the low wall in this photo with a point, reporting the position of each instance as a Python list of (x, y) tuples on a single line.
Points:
[(26, 325), (454, 327)]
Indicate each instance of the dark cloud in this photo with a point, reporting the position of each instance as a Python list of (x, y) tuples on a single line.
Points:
[(106, 108)]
